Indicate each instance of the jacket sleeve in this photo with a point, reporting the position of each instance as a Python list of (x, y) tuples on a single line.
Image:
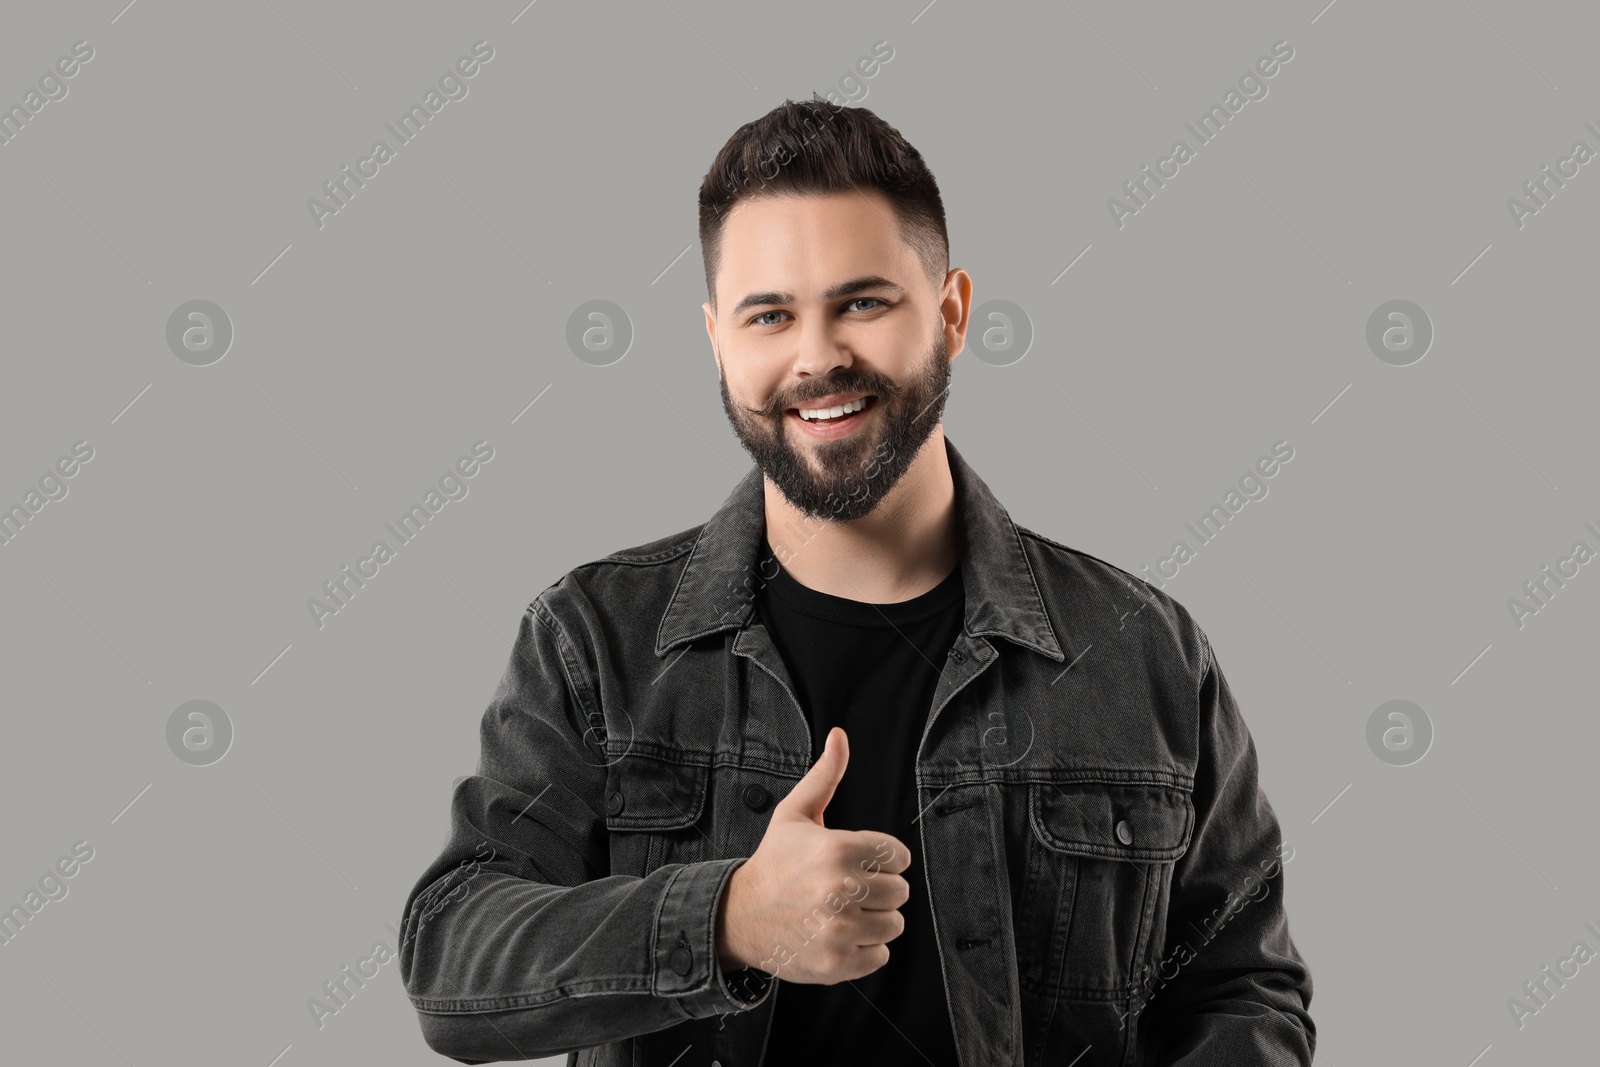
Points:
[(517, 941), (1231, 989)]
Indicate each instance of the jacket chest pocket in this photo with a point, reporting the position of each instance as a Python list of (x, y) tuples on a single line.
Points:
[(656, 813), (1099, 870)]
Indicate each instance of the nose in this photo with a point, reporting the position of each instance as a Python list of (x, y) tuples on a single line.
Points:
[(820, 350)]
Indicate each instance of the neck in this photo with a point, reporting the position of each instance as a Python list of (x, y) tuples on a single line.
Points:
[(907, 545)]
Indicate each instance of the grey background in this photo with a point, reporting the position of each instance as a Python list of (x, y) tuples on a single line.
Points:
[(368, 355)]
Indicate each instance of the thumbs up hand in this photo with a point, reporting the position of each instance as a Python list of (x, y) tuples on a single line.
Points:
[(844, 888)]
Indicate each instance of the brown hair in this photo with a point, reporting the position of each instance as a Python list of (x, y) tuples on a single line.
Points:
[(818, 148)]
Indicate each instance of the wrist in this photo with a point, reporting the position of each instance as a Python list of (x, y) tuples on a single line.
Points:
[(730, 955)]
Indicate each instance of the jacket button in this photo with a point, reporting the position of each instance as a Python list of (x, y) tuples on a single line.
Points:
[(614, 802), (1124, 832), (756, 797), (682, 960)]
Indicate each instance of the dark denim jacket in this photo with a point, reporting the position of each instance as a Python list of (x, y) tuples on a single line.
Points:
[(1105, 872)]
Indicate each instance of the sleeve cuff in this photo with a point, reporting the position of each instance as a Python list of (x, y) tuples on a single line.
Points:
[(686, 967)]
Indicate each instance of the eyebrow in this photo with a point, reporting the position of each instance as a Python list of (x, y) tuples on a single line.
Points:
[(843, 289)]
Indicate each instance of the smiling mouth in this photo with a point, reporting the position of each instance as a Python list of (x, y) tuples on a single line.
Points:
[(866, 403)]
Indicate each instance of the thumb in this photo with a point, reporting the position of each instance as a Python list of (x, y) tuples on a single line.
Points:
[(813, 792)]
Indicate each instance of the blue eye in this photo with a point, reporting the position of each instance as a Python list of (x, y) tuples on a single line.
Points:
[(763, 319)]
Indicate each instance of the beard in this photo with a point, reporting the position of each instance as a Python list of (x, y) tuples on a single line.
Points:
[(857, 470)]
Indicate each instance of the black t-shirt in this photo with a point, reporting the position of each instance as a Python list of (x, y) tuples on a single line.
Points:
[(871, 669)]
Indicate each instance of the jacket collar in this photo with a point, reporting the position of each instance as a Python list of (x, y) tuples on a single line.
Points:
[(717, 588)]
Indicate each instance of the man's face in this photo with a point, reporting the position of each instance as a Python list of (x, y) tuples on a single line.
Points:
[(820, 301)]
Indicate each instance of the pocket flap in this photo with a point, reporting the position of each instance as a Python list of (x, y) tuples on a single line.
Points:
[(1121, 821), (643, 793)]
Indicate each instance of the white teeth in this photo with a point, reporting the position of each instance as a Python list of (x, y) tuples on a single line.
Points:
[(833, 412)]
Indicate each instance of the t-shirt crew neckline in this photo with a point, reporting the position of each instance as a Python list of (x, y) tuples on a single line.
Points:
[(843, 610)]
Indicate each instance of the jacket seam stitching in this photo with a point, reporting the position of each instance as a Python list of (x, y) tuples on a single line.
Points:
[(665, 555), (476, 1005), (1038, 597), (580, 693), (677, 587), (1081, 554)]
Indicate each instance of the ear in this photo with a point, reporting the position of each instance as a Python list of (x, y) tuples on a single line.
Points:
[(955, 306), (711, 332)]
